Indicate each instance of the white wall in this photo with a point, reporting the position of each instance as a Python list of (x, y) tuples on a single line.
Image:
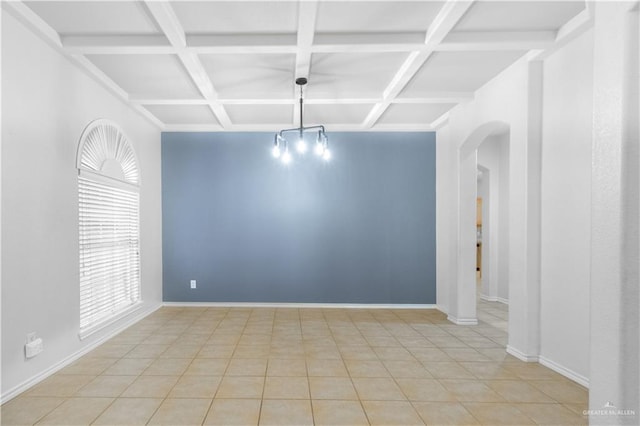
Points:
[(566, 205), (493, 154), (46, 103)]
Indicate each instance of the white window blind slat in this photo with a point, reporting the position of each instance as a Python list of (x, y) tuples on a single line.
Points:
[(109, 251)]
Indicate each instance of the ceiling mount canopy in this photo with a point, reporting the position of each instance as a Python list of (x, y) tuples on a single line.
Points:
[(321, 145)]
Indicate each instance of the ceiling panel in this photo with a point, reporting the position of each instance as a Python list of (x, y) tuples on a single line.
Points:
[(376, 16), (336, 114), (155, 76), (237, 17), (96, 17), (251, 75), (414, 113), (260, 114), (183, 114), (458, 72), (518, 15), (355, 74)]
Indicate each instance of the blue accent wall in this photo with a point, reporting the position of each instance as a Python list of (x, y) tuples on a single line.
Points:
[(358, 229)]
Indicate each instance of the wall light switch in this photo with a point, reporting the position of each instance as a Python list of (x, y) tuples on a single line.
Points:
[(193, 283)]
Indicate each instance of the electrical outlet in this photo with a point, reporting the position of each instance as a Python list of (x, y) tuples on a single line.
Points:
[(193, 284)]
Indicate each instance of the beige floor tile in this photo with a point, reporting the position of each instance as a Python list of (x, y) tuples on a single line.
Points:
[(247, 367), (287, 367), (361, 352), (377, 388), (181, 351), (216, 351), (425, 390), (326, 352), (150, 387), (338, 413), (552, 414), (110, 350), (471, 390), (167, 367), (533, 371), (25, 410), (252, 351), (286, 388), (243, 412), (181, 411), (326, 368), (76, 411), (146, 351), (393, 353), (497, 414), (577, 408), (60, 385), (360, 368), (128, 367), (407, 369), (90, 366), (195, 387), (287, 351), (489, 370), (465, 354), (240, 387), (129, 411), (160, 339), (429, 354), (444, 413), (106, 386), (332, 388), (518, 391), (391, 413), (207, 367), (447, 370), (286, 412), (563, 391)]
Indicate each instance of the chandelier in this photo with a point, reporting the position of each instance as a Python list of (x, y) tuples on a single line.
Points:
[(321, 145)]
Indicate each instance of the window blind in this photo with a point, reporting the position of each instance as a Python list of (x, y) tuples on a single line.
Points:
[(109, 251)]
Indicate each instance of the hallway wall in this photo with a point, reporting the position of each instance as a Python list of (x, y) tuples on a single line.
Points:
[(566, 207)]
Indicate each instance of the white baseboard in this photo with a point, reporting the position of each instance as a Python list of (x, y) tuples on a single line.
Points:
[(442, 309), (17, 390), (494, 299), (568, 373), (302, 305), (521, 355), (462, 321), (488, 298)]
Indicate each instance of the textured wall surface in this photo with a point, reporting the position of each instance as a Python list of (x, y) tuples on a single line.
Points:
[(358, 229)]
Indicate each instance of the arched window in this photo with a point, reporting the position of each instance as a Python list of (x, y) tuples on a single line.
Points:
[(108, 196)]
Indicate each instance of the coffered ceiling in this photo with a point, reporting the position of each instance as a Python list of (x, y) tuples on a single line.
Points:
[(231, 65)]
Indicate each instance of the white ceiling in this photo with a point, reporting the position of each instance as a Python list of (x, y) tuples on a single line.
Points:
[(231, 65)]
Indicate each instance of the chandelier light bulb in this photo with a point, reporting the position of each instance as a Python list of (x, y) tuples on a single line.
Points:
[(301, 146), (276, 151), (286, 157), (326, 156), (319, 149)]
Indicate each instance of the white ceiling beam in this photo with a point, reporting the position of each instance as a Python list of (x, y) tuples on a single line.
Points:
[(569, 31), (277, 127), (447, 18), (51, 36), (168, 22), (497, 40)]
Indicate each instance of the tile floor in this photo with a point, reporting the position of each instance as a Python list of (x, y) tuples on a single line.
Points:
[(226, 366)]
